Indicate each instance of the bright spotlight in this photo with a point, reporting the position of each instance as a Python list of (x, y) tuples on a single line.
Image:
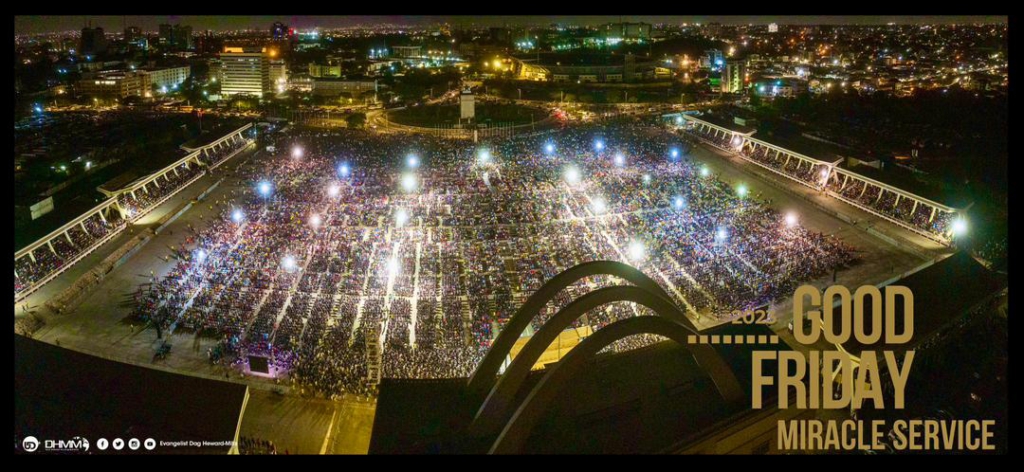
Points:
[(704, 172), (620, 160), (674, 153), (297, 151), (791, 219), (344, 170), (393, 266), (572, 175), (550, 148), (679, 120), (412, 161), (408, 182), (599, 206), (264, 188), (599, 145), (824, 173), (401, 217), (636, 251), (959, 227), (237, 216), (315, 221), (288, 263), (679, 203), (721, 234), (741, 190), (200, 255), (647, 178), (334, 190), (484, 156)]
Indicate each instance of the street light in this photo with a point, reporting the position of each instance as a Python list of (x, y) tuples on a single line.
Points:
[(297, 151), (334, 190), (315, 221), (549, 148), (741, 190), (288, 263), (704, 172), (401, 217)]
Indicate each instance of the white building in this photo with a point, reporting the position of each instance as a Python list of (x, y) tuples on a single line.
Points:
[(169, 77), (245, 71)]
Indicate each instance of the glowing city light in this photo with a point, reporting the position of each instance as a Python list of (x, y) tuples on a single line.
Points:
[(485, 156), (401, 217), (237, 216), (620, 160), (409, 182), (412, 161), (959, 227), (200, 255), (736, 141), (636, 251), (791, 219), (674, 153), (264, 188), (572, 175), (288, 263), (679, 120), (394, 266)]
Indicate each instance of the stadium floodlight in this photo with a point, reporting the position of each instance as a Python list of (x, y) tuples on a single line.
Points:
[(679, 120), (412, 161), (598, 205), (200, 255), (704, 172), (620, 160), (636, 251), (408, 182), (674, 153), (344, 170), (791, 219), (237, 216), (959, 227), (741, 190), (485, 156), (737, 141), (264, 188), (647, 178), (599, 144), (288, 263), (679, 203), (572, 175), (401, 217), (315, 221), (297, 151), (549, 148), (824, 173), (721, 234), (334, 190)]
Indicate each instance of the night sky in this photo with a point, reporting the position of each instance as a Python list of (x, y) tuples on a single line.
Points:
[(44, 24)]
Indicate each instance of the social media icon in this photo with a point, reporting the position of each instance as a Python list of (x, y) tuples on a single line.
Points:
[(150, 444), (102, 443), (118, 443), (133, 443), (30, 444)]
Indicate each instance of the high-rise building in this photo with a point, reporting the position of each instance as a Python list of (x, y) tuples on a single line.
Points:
[(166, 35), (178, 37), (93, 41), (714, 59), (279, 31), (245, 71), (277, 73), (629, 32), (735, 75), (131, 33)]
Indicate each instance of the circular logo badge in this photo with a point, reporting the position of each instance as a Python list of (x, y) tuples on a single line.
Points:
[(150, 444), (118, 443), (133, 443), (102, 444), (30, 444)]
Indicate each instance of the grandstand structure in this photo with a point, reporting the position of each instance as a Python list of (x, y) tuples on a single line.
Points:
[(925, 217), (43, 260)]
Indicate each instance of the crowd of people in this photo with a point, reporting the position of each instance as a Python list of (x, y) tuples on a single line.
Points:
[(920, 215), (65, 248), (349, 251)]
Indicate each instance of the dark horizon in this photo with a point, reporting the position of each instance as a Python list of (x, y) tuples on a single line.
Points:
[(51, 24)]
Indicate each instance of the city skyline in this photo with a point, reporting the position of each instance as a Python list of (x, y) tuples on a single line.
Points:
[(47, 24)]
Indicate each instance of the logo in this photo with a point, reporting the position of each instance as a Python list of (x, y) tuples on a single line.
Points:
[(75, 444), (102, 444), (118, 443), (30, 444), (150, 444), (133, 443)]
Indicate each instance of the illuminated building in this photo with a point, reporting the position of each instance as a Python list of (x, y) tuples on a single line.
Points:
[(245, 71)]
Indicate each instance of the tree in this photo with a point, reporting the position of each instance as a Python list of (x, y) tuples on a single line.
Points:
[(356, 120)]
